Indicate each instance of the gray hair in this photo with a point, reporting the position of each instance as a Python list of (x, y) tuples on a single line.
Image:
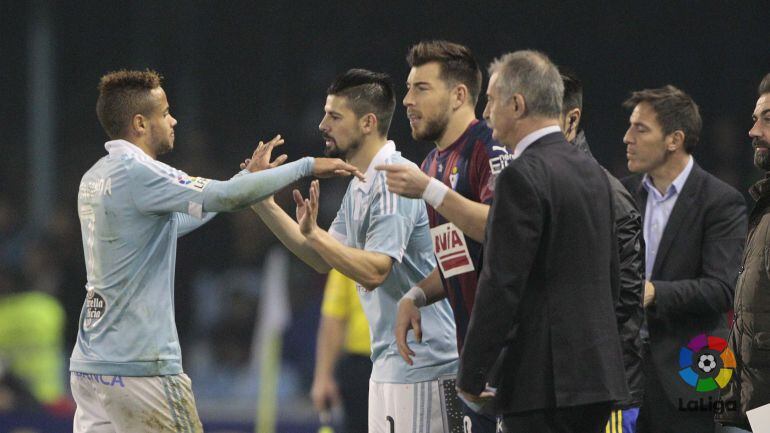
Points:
[(534, 76)]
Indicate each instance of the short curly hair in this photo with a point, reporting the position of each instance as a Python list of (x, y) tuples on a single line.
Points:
[(123, 94)]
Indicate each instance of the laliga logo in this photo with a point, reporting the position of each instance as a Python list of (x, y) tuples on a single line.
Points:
[(706, 352), (706, 364)]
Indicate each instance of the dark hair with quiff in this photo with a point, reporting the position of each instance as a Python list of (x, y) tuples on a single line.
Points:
[(367, 92), (675, 111), (123, 94), (458, 66), (764, 86)]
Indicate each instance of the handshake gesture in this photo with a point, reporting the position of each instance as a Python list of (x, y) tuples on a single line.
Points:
[(322, 167)]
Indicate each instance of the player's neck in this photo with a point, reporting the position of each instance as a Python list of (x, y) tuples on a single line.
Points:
[(457, 125), (364, 155), (662, 177), (142, 144)]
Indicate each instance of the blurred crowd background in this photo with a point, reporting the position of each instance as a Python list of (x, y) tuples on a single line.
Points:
[(237, 72)]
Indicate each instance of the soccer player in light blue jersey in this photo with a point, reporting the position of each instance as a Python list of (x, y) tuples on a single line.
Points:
[(126, 365), (382, 241)]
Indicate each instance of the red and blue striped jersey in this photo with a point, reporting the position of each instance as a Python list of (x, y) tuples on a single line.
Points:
[(468, 166)]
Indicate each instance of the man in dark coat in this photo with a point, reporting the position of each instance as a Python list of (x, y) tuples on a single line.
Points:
[(628, 230), (544, 309), (750, 336), (694, 229)]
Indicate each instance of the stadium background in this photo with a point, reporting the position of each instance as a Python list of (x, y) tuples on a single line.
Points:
[(237, 72)]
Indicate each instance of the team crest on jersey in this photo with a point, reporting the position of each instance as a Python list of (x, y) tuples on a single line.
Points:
[(96, 306), (453, 175), (193, 183)]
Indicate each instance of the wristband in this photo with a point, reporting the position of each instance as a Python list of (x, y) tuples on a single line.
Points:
[(435, 192), (417, 295)]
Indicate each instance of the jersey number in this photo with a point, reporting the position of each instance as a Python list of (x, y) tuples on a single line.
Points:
[(392, 423)]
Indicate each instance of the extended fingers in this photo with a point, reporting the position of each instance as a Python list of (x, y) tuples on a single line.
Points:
[(298, 197), (278, 161)]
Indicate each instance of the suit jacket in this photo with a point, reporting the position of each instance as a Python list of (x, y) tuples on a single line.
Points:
[(544, 311), (694, 274)]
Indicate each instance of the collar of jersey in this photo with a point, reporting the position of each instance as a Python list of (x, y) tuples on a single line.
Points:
[(382, 155), (122, 147)]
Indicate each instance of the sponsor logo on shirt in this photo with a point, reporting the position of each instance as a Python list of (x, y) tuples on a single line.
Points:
[(193, 183), (451, 250), (498, 163), (96, 306)]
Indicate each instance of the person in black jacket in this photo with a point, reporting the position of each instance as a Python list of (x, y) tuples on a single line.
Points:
[(750, 336), (542, 343), (694, 229), (628, 228)]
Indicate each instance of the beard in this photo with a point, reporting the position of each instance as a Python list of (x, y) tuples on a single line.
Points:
[(335, 151), (163, 146), (761, 154), (434, 128)]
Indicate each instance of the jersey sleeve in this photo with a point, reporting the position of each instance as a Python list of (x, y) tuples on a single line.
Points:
[(162, 189), (392, 219), (156, 189)]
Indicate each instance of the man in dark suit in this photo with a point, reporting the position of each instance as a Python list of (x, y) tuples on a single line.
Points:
[(694, 228), (544, 310)]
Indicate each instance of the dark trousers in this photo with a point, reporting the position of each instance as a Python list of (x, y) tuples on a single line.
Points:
[(659, 415), (590, 418), (476, 422), (353, 373)]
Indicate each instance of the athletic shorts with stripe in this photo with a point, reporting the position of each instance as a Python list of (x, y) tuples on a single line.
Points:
[(123, 404), (405, 407), (622, 421)]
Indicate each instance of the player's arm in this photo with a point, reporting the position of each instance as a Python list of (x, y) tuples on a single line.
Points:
[(409, 181), (367, 268), (331, 336), (161, 190), (408, 317), (287, 231)]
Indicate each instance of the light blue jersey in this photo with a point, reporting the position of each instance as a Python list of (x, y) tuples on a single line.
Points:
[(373, 219), (132, 208)]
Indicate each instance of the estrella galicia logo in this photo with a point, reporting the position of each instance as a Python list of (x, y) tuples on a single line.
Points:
[(96, 306), (706, 363)]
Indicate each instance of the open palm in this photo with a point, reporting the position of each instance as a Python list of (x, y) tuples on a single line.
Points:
[(307, 209)]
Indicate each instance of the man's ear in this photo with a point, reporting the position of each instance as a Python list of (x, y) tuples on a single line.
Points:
[(460, 95), (138, 124), (519, 104), (675, 140), (573, 119), (368, 123)]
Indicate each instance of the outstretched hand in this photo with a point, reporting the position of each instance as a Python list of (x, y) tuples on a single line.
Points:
[(330, 167), (260, 159), (404, 179), (307, 208)]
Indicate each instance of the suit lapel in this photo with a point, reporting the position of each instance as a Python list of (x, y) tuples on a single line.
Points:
[(683, 208)]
